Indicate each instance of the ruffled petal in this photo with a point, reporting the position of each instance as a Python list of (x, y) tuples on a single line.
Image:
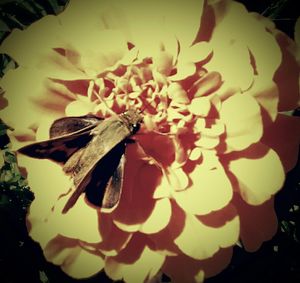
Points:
[(137, 263), (75, 261), (159, 217), (254, 233), (260, 174), (283, 136), (23, 99), (113, 239), (249, 34), (242, 118), (287, 75), (210, 190), (86, 229), (136, 203), (35, 42), (193, 239), (47, 181)]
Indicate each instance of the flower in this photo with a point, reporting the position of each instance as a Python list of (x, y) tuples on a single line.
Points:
[(213, 81)]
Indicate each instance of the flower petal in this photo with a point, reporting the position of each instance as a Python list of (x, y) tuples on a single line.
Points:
[(266, 94), (193, 239), (254, 233), (137, 263), (282, 137), (86, 229), (35, 42), (261, 44), (47, 181), (242, 118), (210, 190), (185, 269), (287, 75), (75, 261), (159, 217), (260, 174), (23, 96)]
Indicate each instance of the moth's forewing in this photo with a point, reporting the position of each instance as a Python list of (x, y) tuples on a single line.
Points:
[(102, 185), (68, 135), (68, 125), (104, 151)]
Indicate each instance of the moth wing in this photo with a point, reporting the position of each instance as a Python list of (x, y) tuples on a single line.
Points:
[(113, 189), (67, 135), (102, 184), (68, 125)]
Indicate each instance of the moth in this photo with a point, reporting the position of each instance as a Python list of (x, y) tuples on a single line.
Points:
[(91, 150)]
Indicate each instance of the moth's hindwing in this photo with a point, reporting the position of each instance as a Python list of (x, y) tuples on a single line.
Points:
[(102, 185)]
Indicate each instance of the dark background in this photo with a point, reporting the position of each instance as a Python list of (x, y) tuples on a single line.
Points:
[(21, 259)]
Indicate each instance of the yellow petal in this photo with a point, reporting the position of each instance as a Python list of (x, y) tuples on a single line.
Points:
[(197, 52), (232, 61), (22, 112), (210, 190), (240, 30), (145, 267), (242, 118), (184, 70), (200, 241), (47, 181), (259, 177), (27, 46), (208, 142), (82, 264), (200, 106), (40, 230), (266, 94), (80, 222), (159, 217), (79, 108)]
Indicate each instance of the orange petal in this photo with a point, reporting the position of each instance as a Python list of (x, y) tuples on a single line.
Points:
[(140, 181), (283, 137), (191, 272), (287, 76), (259, 173), (113, 239), (254, 233), (242, 118), (200, 241)]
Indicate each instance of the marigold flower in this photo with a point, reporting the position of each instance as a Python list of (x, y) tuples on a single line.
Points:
[(213, 81)]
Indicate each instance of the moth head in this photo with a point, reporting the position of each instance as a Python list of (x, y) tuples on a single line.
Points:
[(133, 119)]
